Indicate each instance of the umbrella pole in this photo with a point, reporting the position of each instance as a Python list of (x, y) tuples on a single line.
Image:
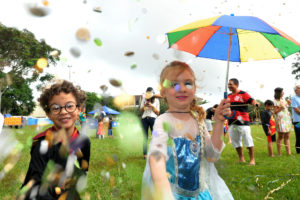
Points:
[(228, 61)]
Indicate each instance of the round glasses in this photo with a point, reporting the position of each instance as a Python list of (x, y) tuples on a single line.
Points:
[(69, 107)]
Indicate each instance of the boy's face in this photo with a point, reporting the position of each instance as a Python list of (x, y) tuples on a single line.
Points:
[(64, 119), (268, 107)]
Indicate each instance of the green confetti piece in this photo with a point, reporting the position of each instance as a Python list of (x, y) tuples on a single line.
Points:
[(167, 83), (98, 42), (133, 66), (49, 168), (29, 142), (167, 127), (77, 164)]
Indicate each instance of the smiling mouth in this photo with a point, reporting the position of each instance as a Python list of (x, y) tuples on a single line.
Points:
[(63, 120), (181, 97)]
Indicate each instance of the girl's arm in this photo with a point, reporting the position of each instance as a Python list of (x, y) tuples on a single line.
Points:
[(161, 183), (277, 109), (218, 128)]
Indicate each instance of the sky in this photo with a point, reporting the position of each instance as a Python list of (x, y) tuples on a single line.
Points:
[(140, 26)]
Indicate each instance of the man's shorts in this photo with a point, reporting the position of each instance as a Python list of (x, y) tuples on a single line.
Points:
[(208, 124), (271, 138), (237, 133)]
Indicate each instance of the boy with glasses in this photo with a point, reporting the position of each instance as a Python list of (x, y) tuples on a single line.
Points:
[(59, 155)]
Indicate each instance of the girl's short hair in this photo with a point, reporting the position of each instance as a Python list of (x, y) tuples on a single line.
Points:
[(55, 89)]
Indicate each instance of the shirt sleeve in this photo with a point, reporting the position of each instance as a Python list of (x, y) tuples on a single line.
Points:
[(210, 152), (248, 98), (159, 139), (142, 102), (294, 103)]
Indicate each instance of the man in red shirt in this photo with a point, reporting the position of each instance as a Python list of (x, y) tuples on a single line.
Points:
[(239, 125)]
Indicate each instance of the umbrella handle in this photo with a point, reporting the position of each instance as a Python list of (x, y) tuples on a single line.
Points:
[(233, 111)]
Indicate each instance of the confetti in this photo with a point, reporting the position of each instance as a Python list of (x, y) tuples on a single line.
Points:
[(166, 127), (38, 10), (83, 34), (98, 42), (103, 88), (167, 83), (98, 9), (123, 165), (133, 66), (144, 10), (75, 52), (155, 56), (44, 147), (42, 63), (54, 53), (177, 87), (179, 126), (115, 82), (129, 53), (81, 183), (161, 39), (148, 37), (155, 133)]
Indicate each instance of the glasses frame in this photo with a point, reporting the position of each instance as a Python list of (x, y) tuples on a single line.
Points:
[(65, 107)]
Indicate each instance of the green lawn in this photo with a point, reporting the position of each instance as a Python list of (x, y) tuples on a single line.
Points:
[(116, 172)]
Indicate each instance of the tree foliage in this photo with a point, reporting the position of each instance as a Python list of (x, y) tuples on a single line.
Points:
[(296, 67), (18, 98), (19, 52), (94, 99)]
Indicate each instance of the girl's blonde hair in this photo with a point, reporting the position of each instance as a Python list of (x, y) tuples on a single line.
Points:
[(173, 70)]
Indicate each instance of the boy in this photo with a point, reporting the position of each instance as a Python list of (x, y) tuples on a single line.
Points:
[(268, 124), (59, 155)]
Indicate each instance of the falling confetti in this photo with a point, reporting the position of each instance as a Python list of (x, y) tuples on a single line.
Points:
[(38, 10), (42, 63), (81, 183), (161, 39), (129, 53), (148, 37), (123, 100), (75, 52), (83, 34), (103, 88), (167, 83), (177, 87), (54, 53), (167, 127), (44, 147), (98, 9), (179, 126), (155, 56), (261, 85), (98, 42), (154, 133), (115, 82), (133, 66)]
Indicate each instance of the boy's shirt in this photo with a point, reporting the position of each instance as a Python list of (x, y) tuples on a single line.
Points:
[(55, 154), (268, 122)]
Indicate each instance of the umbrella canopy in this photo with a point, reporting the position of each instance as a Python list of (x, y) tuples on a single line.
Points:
[(251, 39), (233, 38)]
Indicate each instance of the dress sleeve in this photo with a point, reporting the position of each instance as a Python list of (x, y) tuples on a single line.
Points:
[(210, 152), (159, 139)]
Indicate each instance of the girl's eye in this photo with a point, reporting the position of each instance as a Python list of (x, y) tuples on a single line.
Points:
[(189, 85), (174, 84)]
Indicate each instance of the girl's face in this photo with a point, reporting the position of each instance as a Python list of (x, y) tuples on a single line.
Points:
[(182, 92), (63, 110), (282, 93)]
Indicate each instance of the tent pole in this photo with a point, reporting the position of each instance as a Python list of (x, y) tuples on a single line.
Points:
[(228, 62)]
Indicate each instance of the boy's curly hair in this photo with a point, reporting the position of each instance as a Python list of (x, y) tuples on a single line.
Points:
[(63, 86)]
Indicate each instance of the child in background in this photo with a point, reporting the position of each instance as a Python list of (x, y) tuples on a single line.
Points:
[(100, 131), (268, 124), (226, 130), (48, 176), (185, 169), (110, 126)]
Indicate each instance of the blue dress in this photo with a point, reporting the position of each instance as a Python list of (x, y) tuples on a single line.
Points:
[(190, 175)]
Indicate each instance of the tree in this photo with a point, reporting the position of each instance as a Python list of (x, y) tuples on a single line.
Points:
[(93, 99), (19, 52), (296, 67), (18, 98)]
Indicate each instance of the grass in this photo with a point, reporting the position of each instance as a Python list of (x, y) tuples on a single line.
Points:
[(116, 173)]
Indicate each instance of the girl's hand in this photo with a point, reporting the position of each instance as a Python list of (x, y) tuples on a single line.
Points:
[(223, 109)]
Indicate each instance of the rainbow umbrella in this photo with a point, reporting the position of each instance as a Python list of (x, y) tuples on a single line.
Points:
[(233, 38)]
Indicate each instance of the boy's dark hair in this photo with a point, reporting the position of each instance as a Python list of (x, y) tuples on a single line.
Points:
[(215, 106), (278, 92), (64, 86), (269, 103), (235, 81)]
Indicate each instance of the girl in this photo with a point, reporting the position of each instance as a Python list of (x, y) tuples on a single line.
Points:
[(283, 120), (178, 163), (100, 130)]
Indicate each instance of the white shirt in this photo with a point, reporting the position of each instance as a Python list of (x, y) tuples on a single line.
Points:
[(148, 112), (1, 122)]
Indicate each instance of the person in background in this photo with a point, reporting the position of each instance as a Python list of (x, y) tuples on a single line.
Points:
[(83, 120), (209, 115), (110, 122), (150, 109), (268, 124), (296, 116), (58, 148), (282, 119), (100, 131), (239, 124)]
